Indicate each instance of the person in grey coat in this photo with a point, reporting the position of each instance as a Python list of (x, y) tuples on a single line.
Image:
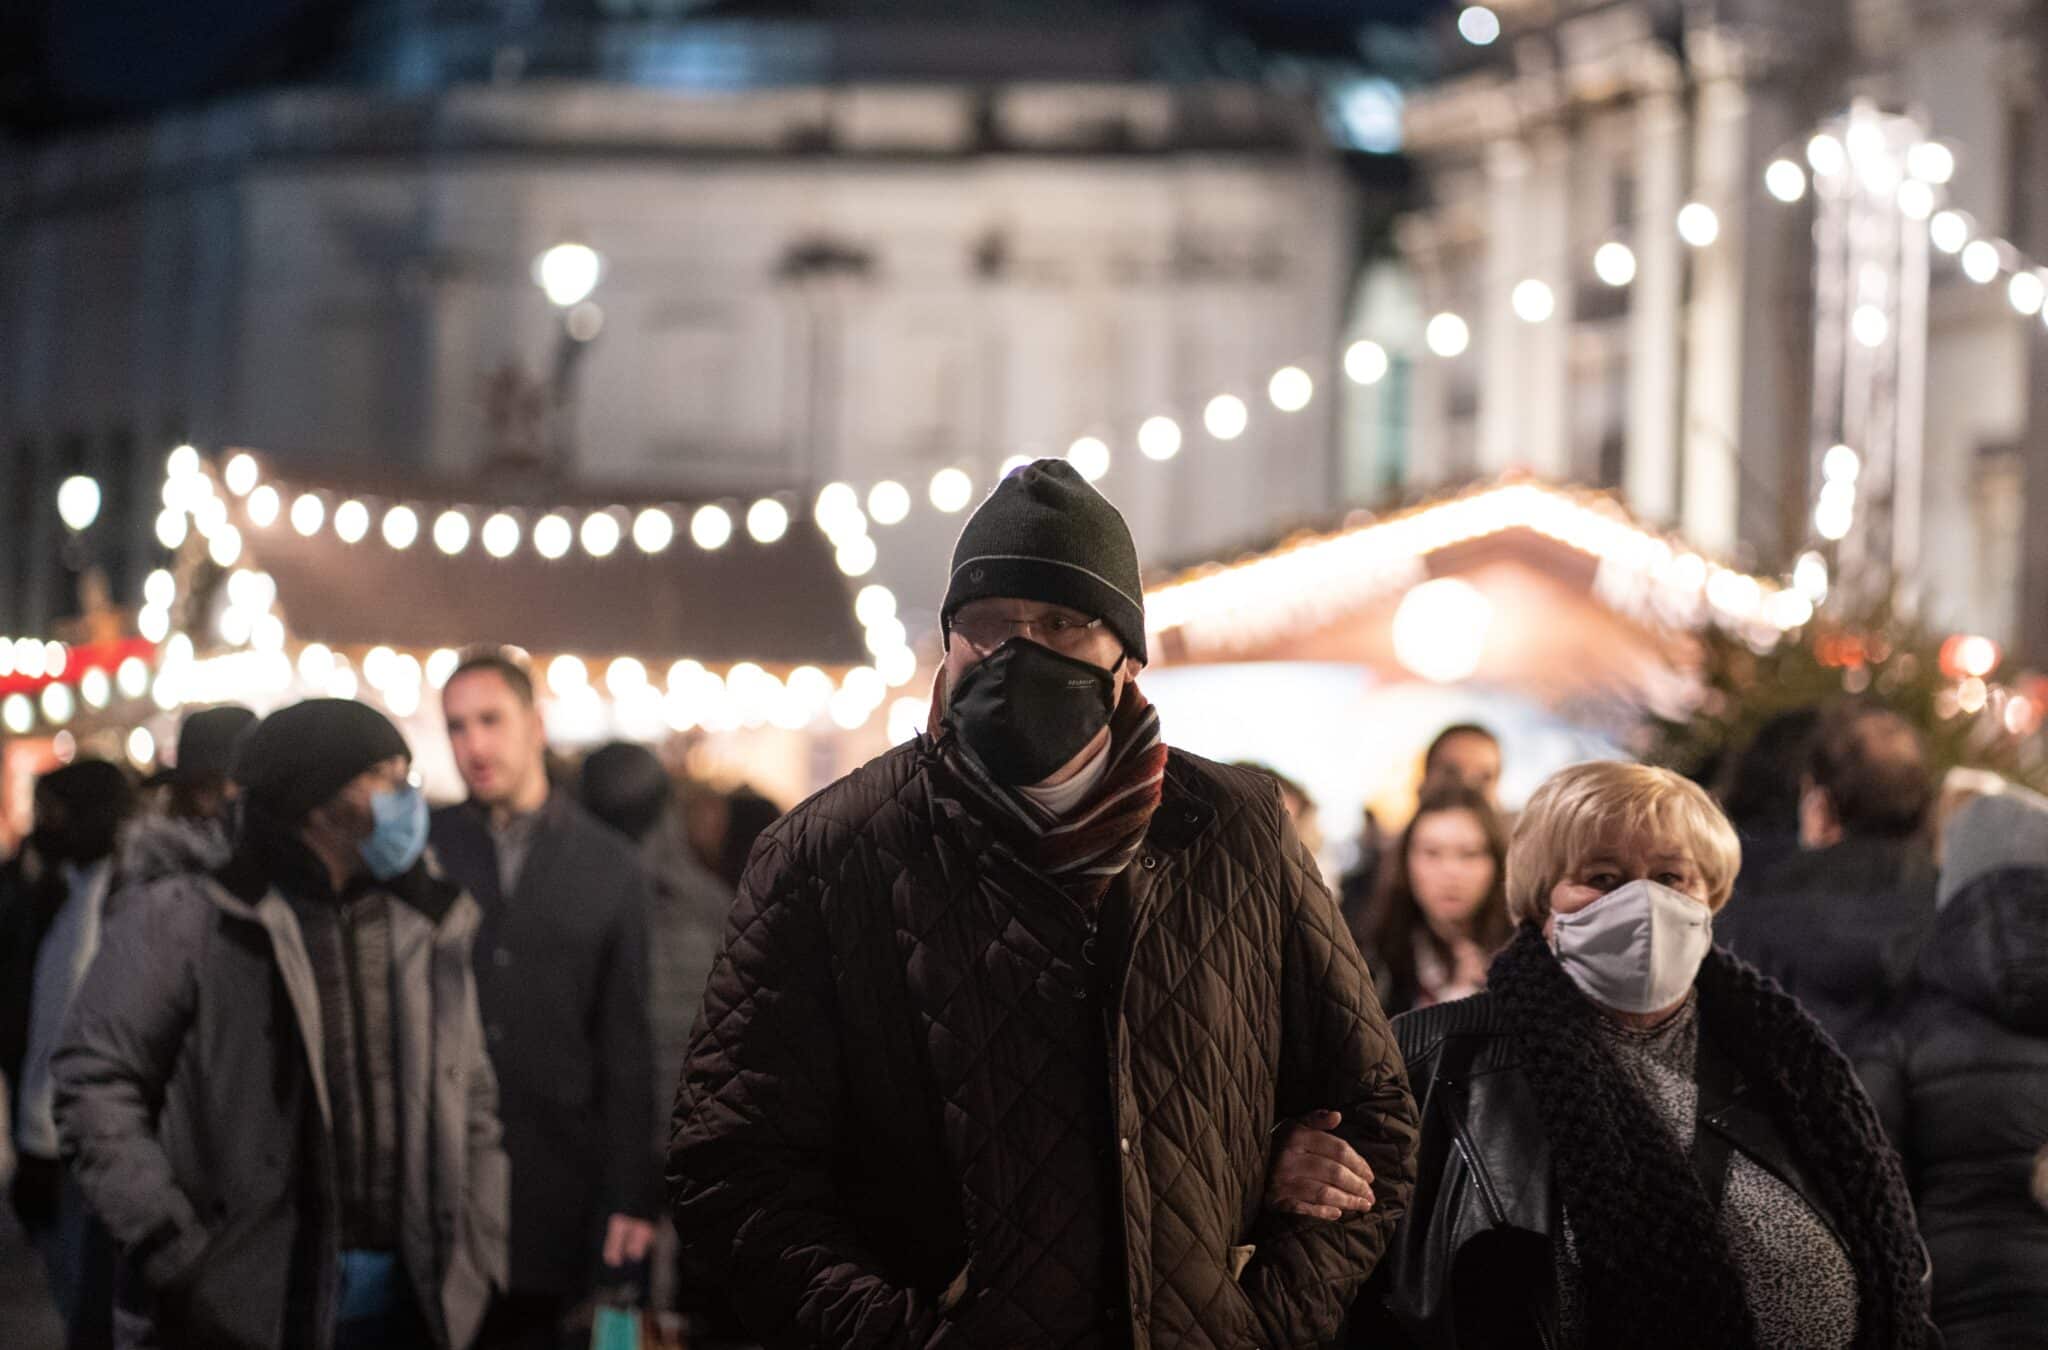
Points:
[(273, 1086)]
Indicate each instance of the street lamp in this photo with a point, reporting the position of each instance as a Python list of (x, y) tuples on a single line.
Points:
[(78, 502), (567, 274)]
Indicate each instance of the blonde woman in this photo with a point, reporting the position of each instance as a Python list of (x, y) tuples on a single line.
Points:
[(1631, 1139)]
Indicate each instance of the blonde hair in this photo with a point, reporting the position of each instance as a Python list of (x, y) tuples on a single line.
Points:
[(1578, 808)]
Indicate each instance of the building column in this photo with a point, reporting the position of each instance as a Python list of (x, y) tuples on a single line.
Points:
[(1650, 469), (1501, 338), (1544, 415), (2032, 601), (1712, 407)]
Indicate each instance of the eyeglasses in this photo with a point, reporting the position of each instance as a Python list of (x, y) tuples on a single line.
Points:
[(986, 632)]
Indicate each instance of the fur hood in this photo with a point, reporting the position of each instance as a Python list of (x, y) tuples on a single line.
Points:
[(154, 847)]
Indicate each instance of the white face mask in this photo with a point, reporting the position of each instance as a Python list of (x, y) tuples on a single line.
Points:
[(1637, 948)]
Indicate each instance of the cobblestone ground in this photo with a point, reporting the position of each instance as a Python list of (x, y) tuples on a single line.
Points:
[(27, 1322)]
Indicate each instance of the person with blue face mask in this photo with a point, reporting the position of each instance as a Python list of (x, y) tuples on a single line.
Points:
[(273, 1085)]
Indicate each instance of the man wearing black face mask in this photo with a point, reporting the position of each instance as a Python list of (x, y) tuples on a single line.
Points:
[(1005, 1019), (273, 1085), (48, 936)]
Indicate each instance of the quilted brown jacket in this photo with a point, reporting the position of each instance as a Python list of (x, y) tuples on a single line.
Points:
[(931, 1102)]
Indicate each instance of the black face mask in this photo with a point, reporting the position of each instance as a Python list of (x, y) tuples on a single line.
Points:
[(1025, 710)]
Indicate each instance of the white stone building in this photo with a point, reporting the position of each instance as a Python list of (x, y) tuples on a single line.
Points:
[(802, 284), (1690, 385)]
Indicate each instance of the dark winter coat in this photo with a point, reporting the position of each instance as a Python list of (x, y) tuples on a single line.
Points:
[(561, 967), (685, 924), (193, 1108), (933, 1103), (1963, 1084), (1839, 929), (29, 901)]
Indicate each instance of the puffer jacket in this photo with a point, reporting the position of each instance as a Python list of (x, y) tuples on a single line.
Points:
[(191, 1102), (933, 1102), (1962, 1083)]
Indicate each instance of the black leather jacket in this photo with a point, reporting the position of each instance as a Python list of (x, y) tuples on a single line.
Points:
[(1473, 1265)]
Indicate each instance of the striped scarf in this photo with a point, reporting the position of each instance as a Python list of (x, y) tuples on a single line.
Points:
[(1083, 851)]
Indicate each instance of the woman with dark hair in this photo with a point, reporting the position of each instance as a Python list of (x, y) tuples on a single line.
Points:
[(1442, 910)]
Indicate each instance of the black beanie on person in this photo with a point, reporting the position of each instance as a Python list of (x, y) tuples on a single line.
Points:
[(1046, 534), (299, 757)]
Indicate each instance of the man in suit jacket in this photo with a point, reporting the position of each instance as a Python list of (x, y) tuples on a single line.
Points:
[(561, 965)]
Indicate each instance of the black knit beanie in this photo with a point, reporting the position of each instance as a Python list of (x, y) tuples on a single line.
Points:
[(299, 757), (1046, 534)]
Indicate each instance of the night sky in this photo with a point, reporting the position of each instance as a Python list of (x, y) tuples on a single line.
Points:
[(65, 63)]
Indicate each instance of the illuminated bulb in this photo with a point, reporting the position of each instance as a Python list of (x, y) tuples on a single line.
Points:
[(401, 527), (500, 535), (897, 667), (1698, 225), (874, 604), (240, 474), (225, 547), (1833, 517), (567, 674), (141, 747), (1226, 417), (95, 687), (1532, 301), (351, 522), (1949, 231), (316, 664), (1916, 199), (451, 532), (18, 713), (262, 507), (183, 462), (159, 588), (58, 705), (1439, 629), (837, 508), (1931, 162), (1826, 155), (1089, 455), (654, 530), (1810, 577), (600, 534), (378, 665), (267, 634), (1790, 609), (1841, 464), (170, 528), (210, 515), (1479, 25), (1290, 389), (889, 502), (552, 537), (1785, 180), (1448, 336), (1159, 438), (1981, 261), (710, 527), (625, 676), (1615, 263), (1869, 325), (856, 555), (1016, 462), (132, 678), (1365, 362), (307, 513), (2024, 292), (441, 664), (568, 273), (767, 520), (951, 490)]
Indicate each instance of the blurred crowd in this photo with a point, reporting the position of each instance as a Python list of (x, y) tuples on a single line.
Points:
[(1908, 915)]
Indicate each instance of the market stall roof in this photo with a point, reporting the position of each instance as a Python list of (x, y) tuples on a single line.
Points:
[(1552, 590), (779, 603)]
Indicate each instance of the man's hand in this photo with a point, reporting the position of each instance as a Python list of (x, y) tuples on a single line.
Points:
[(626, 1240), (1314, 1173)]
